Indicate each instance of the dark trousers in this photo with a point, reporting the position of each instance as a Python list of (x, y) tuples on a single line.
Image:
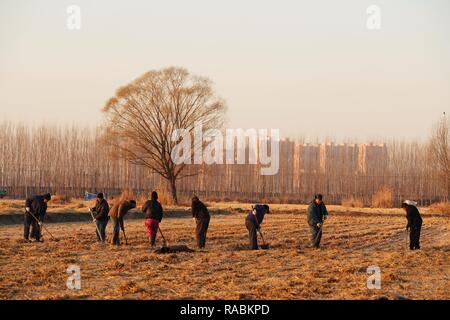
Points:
[(101, 225), (316, 236), (414, 236), (116, 231), (28, 222), (201, 230), (252, 233)]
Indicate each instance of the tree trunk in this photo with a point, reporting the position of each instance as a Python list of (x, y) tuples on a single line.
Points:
[(173, 189)]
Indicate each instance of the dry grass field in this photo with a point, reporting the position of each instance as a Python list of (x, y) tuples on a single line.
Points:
[(353, 240)]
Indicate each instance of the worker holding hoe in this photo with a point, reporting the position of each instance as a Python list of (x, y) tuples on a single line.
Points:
[(253, 223), (117, 214), (100, 213), (153, 216), (316, 214), (201, 216), (35, 210), (414, 224)]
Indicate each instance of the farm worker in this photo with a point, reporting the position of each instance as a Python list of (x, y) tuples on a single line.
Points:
[(101, 211), (253, 223), (153, 216), (414, 223), (117, 213), (201, 216), (316, 214), (35, 210)]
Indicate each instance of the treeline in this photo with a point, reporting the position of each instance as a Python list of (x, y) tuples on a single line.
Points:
[(72, 160)]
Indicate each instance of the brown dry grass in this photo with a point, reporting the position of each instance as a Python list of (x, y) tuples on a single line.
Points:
[(353, 202), (60, 199), (441, 207), (225, 270), (383, 198)]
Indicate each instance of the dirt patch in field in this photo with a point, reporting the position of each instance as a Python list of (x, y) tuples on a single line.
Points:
[(226, 269)]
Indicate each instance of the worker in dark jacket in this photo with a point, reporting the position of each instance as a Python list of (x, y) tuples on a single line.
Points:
[(117, 213), (316, 214), (253, 223), (100, 212), (153, 216), (201, 216), (35, 210), (414, 224)]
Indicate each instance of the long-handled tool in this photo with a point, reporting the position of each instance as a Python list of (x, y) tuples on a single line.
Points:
[(162, 236), (406, 239), (125, 236), (319, 233), (96, 226), (41, 225), (264, 245)]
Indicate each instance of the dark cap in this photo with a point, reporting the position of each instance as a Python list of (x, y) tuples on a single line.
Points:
[(154, 195), (318, 196), (100, 195), (47, 196)]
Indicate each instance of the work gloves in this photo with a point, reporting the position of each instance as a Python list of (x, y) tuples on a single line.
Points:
[(27, 209), (319, 225)]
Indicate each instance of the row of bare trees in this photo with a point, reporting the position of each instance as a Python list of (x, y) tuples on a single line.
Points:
[(72, 160), (134, 150)]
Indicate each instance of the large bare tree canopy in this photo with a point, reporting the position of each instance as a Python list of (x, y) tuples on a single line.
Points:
[(142, 116)]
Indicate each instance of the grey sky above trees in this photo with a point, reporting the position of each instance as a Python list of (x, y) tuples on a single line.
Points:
[(279, 64)]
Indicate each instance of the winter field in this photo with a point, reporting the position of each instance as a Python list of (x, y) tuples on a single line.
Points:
[(354, 239)]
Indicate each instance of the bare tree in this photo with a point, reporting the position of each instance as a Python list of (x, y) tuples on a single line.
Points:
[(143, 115), (440, 151)]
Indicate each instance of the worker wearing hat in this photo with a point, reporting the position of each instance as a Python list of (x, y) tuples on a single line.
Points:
[(414, 224)]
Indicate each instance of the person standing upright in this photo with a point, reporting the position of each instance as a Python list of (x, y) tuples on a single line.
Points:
[(153, 216), (100, 212), (316, 214)]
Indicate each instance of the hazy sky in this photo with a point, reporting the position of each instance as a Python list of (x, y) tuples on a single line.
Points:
[(310, 68)]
